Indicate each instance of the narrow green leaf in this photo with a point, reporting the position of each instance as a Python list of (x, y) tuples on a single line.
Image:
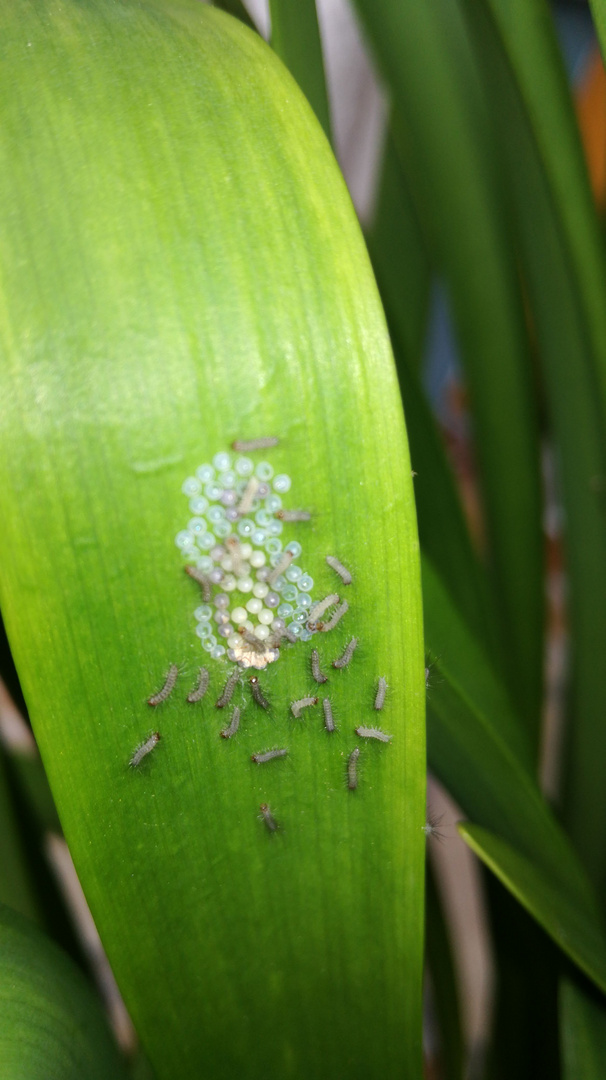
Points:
[(457, 192), (295, 36), (480, 752), (399, 258), (443, 982), (559, 237), (15, 882), (181, 267), (583, 1032), (571, 924), (51, 1024)]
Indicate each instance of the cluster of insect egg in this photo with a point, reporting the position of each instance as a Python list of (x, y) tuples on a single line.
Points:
[(237, 552)]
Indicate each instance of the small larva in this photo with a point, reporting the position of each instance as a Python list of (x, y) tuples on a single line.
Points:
[(202, 581), (348, 652), (268, 817), (225, 698), (243, 445), (233, 725), (302, 703), (251, 639), (339, 569), (432, 827), (316, 670), (233, 546), (293, 515), (257, 693), (143, 749), (373, 733), (167, 689), (247, 498), (332, 622), (322, 605), (200, 688), (284, 632), (329, 722), (352, 769), (268, 755), (381, 692), (280, 567)]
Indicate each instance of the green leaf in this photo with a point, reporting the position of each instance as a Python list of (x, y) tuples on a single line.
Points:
[(583, 1032), (399, 258), (561, 256), (480, 752), (295, 36), (182, 267), (553, 902), (236, 8), (457, 192), (51, 1024)]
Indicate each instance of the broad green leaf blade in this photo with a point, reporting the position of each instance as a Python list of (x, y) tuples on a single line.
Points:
[(479, 751), (559, 238), (51, 1024), (583, 1032), (457, 191), (182, 266), (295, 36), (569, 923)]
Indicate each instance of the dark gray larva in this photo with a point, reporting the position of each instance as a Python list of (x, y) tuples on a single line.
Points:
[(329, 722), (144, 748), (201, 686), (381, 692), (347, 654), (337, 616), (352, 769), (339, 569), (257, 693), (225, 698), (302, 703), (268, 817), (373, 733), (167, 689), (283, 563), (233, 725), (202, 581), (243, 445), (316, 670), (268, 755)]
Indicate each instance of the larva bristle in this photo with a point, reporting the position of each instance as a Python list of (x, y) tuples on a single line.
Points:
[(244, 445), (318, 609), (268, 755), (329, 722), (282, 565), (201, 686), (316, 670), (268, 817), (352, 769), (201, 580), (167, 689), (144, 748), (302, 703), (339, 569), (257, 693), (247, 498), (381, 692), (293, 515), (338, 615), (225, 698), (348, 652), (432, 827), (233, 725), (373, 733)]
